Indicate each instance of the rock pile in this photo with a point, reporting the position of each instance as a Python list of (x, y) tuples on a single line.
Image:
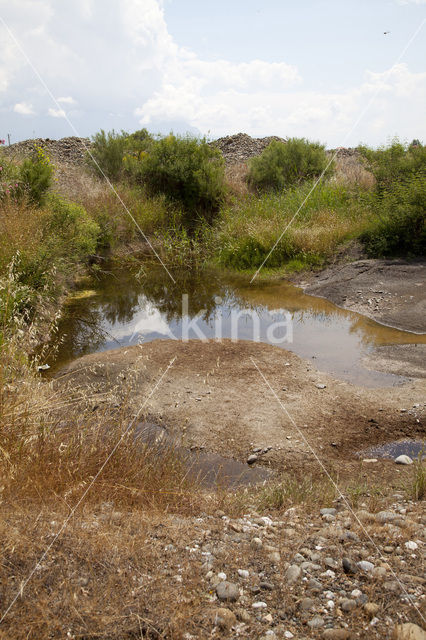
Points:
[(65, 151), (240, 147)]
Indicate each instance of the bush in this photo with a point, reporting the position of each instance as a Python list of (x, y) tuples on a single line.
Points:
[(106, 154), (112, 152), (35, 175), (282, 165), (401, 220), (69, 231), (187, 171), (395, 163)]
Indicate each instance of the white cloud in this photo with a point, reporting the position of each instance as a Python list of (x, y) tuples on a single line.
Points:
[(56, 113), (24, 109), (123, 63), (67, 100)]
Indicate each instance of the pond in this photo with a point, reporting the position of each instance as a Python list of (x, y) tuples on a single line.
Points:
[(124, 306)]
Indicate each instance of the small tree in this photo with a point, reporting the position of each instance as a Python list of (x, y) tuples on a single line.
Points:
[(187, 171), (106, 154), (284, 164)]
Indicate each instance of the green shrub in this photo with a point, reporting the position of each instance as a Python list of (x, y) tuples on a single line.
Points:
[(394, 163), (113, 153), (400, 227), (69, 231), (187, 171), (35, 177), (282, 165), (106, 153)]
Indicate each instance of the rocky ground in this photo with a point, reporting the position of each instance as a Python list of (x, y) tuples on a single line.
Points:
[(336, 572), (389, 291)]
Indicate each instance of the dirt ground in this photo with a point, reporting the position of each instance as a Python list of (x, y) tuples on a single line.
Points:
[(392, 292), (215, 397)]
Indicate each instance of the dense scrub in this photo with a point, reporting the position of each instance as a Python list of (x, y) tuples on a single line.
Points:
[(283, 165), (398, 201)]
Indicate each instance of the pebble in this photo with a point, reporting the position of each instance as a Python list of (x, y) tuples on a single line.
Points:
[(223, 618), (347, 604), (316, 622), (259, 605), (227, 591), (252, 459), (411, 545), (257, 543), (274, 557), (293, 573), (306, 604), (403, 460), (321, 386), (243, 573), (371, 609), (348, 566), (221, 576), (364, 565)]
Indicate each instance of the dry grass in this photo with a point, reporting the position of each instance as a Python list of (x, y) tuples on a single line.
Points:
[(20, 229), (236, 178), (349, 170)]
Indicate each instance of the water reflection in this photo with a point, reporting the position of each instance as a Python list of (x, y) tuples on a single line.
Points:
[(135, 307)]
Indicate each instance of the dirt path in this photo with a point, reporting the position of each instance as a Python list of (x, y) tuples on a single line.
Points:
[(214, 396)]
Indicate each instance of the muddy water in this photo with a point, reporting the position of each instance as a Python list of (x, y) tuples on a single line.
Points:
[(203, 467), (124, 307)]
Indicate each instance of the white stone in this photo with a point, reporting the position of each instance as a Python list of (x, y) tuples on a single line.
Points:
[(243, 573), (221, 576), (403, 460), (364, 565), (259, 605), (411, 545)]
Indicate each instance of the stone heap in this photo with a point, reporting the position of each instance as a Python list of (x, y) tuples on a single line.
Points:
[(240, 147), (66, 151)]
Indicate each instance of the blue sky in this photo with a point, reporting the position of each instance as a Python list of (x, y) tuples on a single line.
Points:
[(215, 68)]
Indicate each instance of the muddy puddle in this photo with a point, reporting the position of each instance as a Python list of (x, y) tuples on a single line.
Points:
[(208, 470), (415, 449), (122, 307)]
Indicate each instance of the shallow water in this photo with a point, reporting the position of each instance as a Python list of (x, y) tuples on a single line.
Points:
[(391, 450), (207, 469), (121, 308)]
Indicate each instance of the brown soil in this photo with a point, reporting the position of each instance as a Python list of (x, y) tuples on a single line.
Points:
[(214, 396)]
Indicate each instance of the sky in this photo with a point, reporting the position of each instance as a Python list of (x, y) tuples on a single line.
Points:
[(319, 69)]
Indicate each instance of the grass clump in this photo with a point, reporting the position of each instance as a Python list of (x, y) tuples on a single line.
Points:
[(282, 165)]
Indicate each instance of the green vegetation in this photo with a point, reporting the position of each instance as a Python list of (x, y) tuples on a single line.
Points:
[(398, 201), (283, 165), (251, 227), (187, 171)]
